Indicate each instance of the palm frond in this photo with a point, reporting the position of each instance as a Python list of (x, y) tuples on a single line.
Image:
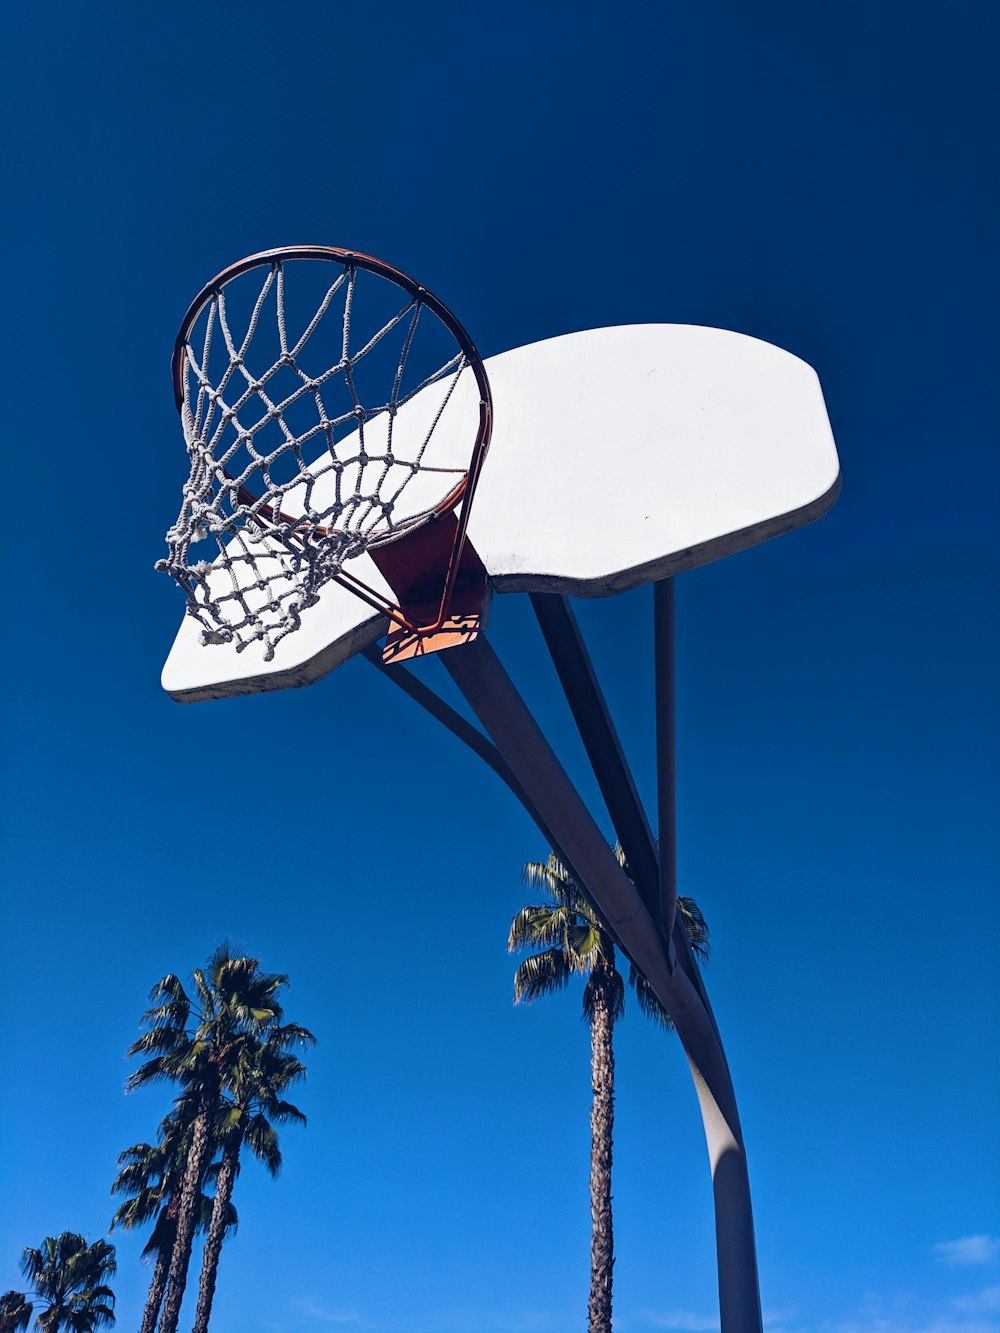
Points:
[(588, 944), (228, 1119), (169, 987), (550, 875), (161, 1238), (157, 1041), (203, 990), (559, 884), (694, 926), (15, 1311), (538, 926), (291, 1034), (136, 1211), (164, 1068), (541, 974), (606, 982), (647, 1000), (140, 1154), (32, 1263), (284, 1113), (172, 1013), (262, 1141), (100, 1294), (98, 1259)]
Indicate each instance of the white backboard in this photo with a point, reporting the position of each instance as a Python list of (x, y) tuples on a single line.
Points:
[(619, 456)]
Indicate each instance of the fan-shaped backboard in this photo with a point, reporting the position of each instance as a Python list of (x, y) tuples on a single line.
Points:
[(619, 456)]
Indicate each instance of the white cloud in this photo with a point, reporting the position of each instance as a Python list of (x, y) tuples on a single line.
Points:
[(986, 1301), (906, 1314), (685, 1321), (968, 1251), (315, 1316), (324, 1315), (779, 1321), (682, 1320), (933, 1324)]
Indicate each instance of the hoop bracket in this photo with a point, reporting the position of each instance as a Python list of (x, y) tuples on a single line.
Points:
[(437, 618)]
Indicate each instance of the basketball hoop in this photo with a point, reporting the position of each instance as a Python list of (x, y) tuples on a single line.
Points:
[(348, 418)]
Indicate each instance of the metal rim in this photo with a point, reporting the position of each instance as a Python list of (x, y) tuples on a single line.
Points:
[(349, 259), (464, 490)]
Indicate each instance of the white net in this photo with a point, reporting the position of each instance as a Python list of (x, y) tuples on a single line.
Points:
[(301, 453)]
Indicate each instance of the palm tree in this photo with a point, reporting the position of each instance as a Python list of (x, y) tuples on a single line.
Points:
[(152, 1177), (15, 1311), (199, 1043), (574, 940), (69, 1279), (251, 1108)]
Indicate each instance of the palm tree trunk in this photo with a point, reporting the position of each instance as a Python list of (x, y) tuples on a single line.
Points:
[(224, 1183), (155, 1296), (187, 1215), (602, 1116)]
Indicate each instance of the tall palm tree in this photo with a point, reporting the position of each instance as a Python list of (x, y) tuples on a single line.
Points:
[(198, 1043), (152, 1176), (573, 940), (69, 1280), (252, 1106)]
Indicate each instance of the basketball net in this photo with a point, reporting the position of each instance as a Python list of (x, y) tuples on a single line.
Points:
[(297, 470)]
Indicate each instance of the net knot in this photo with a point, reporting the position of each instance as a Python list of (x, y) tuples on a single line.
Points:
[(207, 637), (339, 547)]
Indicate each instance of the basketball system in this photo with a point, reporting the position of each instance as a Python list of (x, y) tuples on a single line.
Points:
[(362, 482)]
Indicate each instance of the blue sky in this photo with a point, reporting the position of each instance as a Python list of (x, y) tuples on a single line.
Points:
[(822, 177)]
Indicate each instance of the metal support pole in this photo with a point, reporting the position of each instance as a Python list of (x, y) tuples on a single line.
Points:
[(666, 769), (597, 731), (493, 698), (600, 739)]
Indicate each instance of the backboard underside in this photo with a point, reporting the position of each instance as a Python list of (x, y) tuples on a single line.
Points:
[(620, 456)]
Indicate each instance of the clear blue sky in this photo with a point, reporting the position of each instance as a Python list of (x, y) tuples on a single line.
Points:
[(821, 176)]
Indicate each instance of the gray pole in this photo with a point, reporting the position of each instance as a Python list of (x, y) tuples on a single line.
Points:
[(607, 758), (666, 768), (492, 696)]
